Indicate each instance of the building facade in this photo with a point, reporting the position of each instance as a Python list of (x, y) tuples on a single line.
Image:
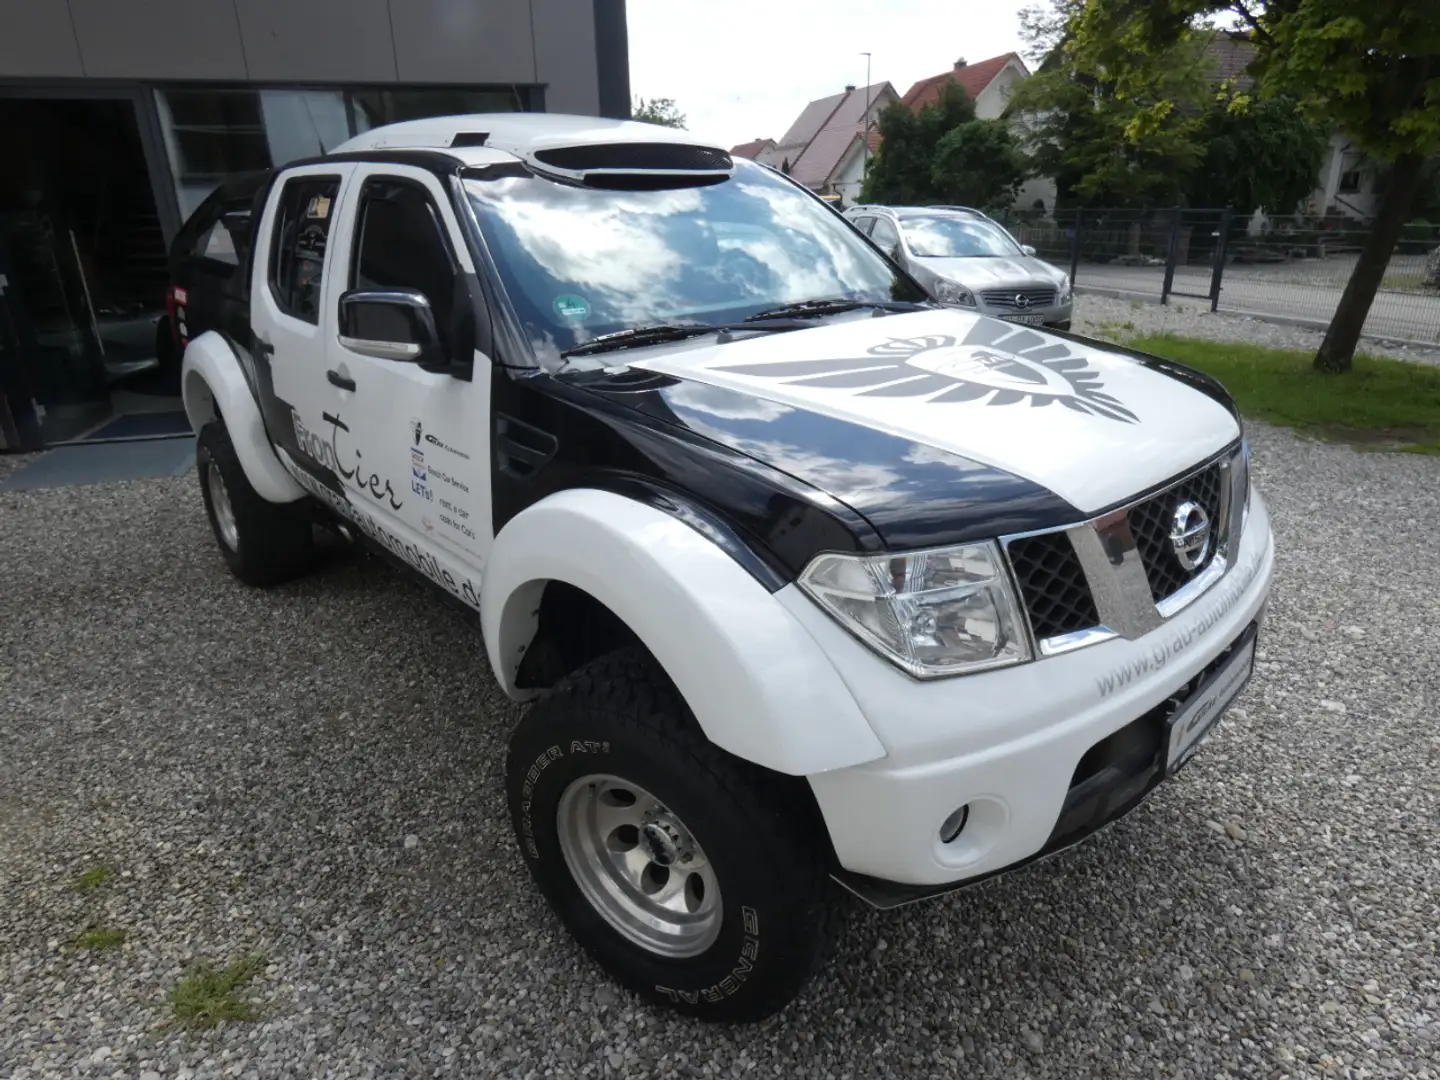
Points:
[(119, 116)]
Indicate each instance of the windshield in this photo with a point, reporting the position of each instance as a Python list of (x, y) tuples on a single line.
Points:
[(956, 237), (581, 262)]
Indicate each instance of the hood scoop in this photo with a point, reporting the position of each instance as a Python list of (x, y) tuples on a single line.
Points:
[(629, 165)]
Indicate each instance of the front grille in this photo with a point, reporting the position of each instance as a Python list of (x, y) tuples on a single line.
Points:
[(1052, 583), (1150, 523), (637, 156), (1040, 296)]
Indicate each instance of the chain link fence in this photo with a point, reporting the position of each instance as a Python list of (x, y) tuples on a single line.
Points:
[(1291, 268)]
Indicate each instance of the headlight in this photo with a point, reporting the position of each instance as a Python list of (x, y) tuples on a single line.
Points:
[(1065, 289), (933, 613), (952, 292), (1240, 489)]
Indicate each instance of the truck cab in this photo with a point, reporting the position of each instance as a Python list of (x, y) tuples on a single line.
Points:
[(815, 586)]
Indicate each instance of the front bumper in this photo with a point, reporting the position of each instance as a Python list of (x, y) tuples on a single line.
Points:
[(1041, 754), (1053, 315)]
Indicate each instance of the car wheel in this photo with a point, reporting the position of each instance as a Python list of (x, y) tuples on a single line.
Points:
[(692, 877), (263, 543)]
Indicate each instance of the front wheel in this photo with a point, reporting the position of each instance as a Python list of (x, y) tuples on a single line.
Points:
[(691, 876)]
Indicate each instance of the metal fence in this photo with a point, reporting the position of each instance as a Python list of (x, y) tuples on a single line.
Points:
[(1290, 268)]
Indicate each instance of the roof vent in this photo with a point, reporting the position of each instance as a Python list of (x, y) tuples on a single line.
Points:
[(959, 63), (849, 88)]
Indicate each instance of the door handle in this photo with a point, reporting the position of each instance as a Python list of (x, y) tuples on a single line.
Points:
[(342, 381)]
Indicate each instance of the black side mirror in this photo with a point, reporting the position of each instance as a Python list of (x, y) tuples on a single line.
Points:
[(390, 324)]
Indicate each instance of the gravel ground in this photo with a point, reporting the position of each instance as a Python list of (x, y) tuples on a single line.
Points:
[(1106, 317), (313, 773)]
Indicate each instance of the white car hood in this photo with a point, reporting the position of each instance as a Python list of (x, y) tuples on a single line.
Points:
[(1094, 426)]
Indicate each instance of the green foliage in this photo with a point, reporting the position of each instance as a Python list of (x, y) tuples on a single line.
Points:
[(662, 111), (101, 938), (1381, 404), (1370, 68), (207, 996), (92, 879), (1107, 150), (903, 170), (977, 164), (1258, 154)]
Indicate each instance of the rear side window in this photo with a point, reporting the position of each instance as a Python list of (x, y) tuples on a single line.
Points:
[(401, 245), (863, 224), (297, 250), (886, 238)]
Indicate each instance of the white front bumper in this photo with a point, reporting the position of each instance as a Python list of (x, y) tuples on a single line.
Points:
[(1007, 742)]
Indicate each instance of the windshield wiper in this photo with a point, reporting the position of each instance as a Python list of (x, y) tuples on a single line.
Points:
[(816, 308), (661, 332)]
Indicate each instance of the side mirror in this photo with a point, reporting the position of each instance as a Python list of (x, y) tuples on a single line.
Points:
[(390, 324), (1028, 250)]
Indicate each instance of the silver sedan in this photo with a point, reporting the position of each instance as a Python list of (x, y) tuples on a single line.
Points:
[(964, 259)]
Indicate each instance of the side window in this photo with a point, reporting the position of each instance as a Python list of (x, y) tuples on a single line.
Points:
[(885, 236), (297, 250), (401, 245), (863, 224), (218, 245)]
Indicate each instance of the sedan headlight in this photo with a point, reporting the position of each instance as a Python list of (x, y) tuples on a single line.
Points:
[(953, 293), (1066, 289), (932, 613)]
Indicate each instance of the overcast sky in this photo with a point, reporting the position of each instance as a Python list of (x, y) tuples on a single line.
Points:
[(743, 69)]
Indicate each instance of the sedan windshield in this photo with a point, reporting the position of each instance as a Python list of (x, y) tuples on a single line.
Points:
[(956, 237), (581, 262)]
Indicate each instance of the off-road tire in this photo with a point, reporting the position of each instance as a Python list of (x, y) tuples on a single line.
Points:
[(620, 715), (274, 543)]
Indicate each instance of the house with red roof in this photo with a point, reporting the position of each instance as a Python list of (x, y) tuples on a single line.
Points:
[(830, 142), (989, 84)]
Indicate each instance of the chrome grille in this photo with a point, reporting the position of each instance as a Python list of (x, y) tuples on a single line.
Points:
[(1150, 525), (1035, 296), (1118, 572)]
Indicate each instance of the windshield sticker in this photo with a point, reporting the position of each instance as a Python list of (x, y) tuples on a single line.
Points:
[(994, 364), (570, 306)]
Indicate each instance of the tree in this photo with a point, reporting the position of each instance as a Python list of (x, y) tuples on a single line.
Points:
[(662, 111), (1045, 27), (1107, 149), (1370, 68), (978, 164), (902, 170), (1263, 154)]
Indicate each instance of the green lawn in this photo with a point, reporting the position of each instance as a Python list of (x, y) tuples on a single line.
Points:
[(1381, 404)]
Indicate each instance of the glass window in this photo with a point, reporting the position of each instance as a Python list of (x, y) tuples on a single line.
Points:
[(219, 245), (885, 236), (957, 237), (297, 253), (863, 224), (374, 108), (402, 246), (578, 262)]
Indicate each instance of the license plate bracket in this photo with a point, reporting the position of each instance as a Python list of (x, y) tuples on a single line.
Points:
[(1194, 721)]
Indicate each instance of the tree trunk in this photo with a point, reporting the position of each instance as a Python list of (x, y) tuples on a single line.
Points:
[(1337, 351)]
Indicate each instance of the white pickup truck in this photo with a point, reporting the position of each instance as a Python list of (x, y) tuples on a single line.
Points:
[(810, 579)]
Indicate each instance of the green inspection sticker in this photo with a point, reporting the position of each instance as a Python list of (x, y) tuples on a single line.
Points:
[(570, 306)]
